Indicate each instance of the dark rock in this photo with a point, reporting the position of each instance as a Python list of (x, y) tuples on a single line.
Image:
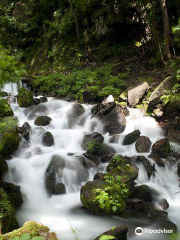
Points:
[(26, 135), (36, 101), (98, 176), (143, 192), (161, 148), (74, 113), (178, 170), (131, 137), (164, 204), (60, 189), (114, 121), (42, 121), (43, 99), (48, 139), (57, 163), (146, 164), (26, 126), (143, 144), (88, 138), (89, 96), (157, 160), (106, 110), (139, 205), (136, 93), (3, 165), (119, 233)]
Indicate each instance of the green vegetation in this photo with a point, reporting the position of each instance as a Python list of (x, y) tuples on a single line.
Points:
[(26, 236), (100, 80), (24, 98), (8, 220), (5, 109), (9, 136), (10, 69)]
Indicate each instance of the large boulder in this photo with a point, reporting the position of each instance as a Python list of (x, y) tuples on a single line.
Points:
[(131, 137), (119, 233), (163, 203), (42, 121), (74, 113), (161, 148), (136, 93), (161, 90), (48, 139), (108, 193), (9, 136), (143, 144), (33, 229), (57, 164), (143, 192), (5, 109), (112, 117), (89, 137), (24, 98)]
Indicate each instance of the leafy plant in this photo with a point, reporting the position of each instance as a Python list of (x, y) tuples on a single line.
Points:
[(27, 236), (106, 237)]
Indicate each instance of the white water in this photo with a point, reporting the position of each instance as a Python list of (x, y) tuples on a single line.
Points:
[(59, 212)]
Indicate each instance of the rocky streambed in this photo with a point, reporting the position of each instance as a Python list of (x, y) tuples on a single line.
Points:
[(92, 167)]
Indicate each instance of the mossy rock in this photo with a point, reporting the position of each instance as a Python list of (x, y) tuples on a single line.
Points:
[(3, 165), (5, 109), (89, 194), (108, 194), (24, 98), (34, 229), (9, 136), (8, 221)]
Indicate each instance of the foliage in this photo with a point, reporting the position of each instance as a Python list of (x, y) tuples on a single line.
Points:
[(24, 98), (5, 109), (176, 32), (108, 200), (9, 67), (106, 237), (99, 80), (94, 148)]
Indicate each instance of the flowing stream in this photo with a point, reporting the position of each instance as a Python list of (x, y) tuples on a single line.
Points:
[(61, 212)]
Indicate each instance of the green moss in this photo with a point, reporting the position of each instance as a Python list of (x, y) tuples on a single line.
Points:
[(3, 165), (24, 98), (8, 220), (5, 109), (34, 229), (94, 148), (9, 140)]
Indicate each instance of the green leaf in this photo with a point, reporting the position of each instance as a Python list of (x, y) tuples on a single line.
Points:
[(114, 208), (38, 238), (25, 236), (106, 237)]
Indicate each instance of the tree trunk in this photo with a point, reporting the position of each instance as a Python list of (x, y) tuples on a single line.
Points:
[(75, 18), (167, 52)]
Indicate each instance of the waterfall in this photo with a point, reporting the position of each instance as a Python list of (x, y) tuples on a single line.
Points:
[(27, 169)]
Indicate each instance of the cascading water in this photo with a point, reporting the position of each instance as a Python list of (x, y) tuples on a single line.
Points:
[(59, 212)]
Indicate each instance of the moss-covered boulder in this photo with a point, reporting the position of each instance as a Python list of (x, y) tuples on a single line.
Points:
[(24, 98), (5, 109), (33, 229), (3, 166), (108, 194), (8, 221), (9, 136)]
